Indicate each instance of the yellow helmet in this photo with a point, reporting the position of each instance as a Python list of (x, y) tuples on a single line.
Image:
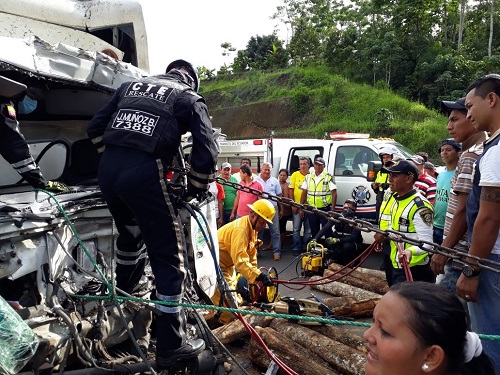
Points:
[(264, 209)]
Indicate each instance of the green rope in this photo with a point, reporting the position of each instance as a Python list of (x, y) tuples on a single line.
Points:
[(252, 312), (80, 242)]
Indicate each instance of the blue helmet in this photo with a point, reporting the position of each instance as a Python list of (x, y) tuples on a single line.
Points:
[(188, 72)]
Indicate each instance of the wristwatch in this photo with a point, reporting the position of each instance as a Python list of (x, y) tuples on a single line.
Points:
[(469, 271)]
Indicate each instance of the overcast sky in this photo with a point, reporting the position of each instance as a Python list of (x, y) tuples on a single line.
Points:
[(194, 30)]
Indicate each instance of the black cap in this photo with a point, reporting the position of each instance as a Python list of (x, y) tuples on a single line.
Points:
[(402, 166), (451, 142), (447, 106)]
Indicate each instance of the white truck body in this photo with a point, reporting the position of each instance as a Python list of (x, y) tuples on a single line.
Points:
[(75, 83), (92, 25), (347, 160), (56, 47)]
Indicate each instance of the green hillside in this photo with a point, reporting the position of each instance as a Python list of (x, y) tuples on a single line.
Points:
[(312, 101)]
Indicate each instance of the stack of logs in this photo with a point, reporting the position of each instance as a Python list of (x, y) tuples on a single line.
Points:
[(317, 349)]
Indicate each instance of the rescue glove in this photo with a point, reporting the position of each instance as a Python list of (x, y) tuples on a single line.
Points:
[(332, 240), (56, 186), (193, 192), (266, 280)]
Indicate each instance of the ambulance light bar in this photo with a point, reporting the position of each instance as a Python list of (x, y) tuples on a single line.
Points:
[(344, 135)]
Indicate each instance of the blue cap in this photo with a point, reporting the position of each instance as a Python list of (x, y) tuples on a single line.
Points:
[(448, 106), (451, 142)]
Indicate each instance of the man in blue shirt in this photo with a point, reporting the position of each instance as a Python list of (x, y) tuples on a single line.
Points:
[(449, 151)]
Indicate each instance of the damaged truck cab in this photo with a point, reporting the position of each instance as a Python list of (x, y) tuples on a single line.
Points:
[(53, 247)]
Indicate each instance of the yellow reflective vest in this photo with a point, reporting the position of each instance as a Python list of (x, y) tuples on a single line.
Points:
[(382, 178), (319, 193), (384, 218), (402, 220)]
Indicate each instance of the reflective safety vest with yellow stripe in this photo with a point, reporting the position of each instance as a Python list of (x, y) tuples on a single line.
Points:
[(385, 210), (402, 215), (319, 194), (382, 178)]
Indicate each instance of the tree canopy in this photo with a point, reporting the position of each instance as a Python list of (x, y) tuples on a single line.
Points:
[(426, 50)]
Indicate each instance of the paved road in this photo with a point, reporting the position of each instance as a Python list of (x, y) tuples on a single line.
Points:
[(289, 268)]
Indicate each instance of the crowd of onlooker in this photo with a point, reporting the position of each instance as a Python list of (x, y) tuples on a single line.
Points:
[(457, 208)]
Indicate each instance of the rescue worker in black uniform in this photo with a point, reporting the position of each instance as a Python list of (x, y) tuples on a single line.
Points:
[(13, 146), (346, 243), (139, 132)]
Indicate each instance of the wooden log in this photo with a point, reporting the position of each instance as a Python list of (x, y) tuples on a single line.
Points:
[(295, 356), (376, 273), (236, 330), (341, 335), (344, 358), (358, 279), (336, 288), (352, 308), (334, 302)]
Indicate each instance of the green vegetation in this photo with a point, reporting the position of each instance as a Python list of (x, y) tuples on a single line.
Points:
[(321, 101), (425, 50)]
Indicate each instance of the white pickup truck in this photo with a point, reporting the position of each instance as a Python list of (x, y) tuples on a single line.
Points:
[(346, 155)]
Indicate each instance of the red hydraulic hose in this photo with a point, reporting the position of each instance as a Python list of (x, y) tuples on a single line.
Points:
[(328, 279)]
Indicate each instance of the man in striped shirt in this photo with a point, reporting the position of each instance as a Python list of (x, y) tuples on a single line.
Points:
[(455, 226), (425, 184)]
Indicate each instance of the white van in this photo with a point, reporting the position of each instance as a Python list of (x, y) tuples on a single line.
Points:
[(346, 156)]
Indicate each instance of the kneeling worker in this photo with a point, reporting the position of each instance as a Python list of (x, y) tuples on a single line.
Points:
[(346, 243), (238, 244)]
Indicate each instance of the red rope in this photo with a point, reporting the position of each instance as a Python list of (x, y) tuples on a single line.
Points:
[(404, 261), (253, 333)]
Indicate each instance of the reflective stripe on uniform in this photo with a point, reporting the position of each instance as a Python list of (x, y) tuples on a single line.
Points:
[(202, 175), (169, 309), (385, 211), (198, 184), (130, 262), (180, 239), (322, 197), (402, 214)]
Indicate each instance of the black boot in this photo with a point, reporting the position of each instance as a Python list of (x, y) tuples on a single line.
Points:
[(189, 350), (171, 344)]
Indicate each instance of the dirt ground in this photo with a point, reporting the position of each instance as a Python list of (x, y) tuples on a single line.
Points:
[(255, 120)]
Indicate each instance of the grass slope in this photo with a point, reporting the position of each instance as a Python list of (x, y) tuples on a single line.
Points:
[(324, 102)]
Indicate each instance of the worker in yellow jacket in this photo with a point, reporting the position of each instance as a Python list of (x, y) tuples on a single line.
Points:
[(238, 244)]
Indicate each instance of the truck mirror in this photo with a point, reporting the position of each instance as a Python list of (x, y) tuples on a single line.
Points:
[(373, 168)]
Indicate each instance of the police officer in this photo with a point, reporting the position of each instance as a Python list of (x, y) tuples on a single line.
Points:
[(346, 243), (412, 215), (13, 146), (139, 132)]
